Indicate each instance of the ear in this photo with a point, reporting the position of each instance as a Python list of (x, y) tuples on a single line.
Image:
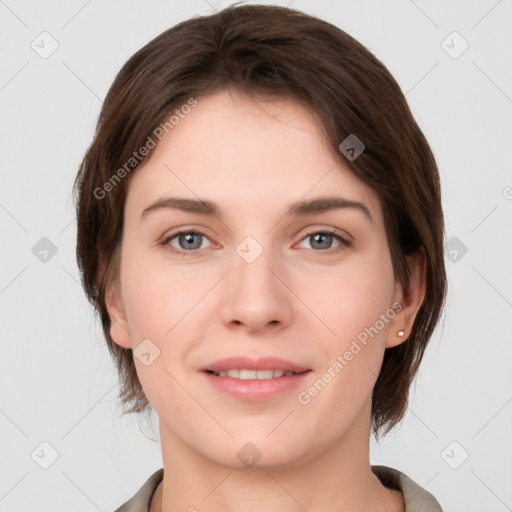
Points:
[(410, 299), (119, 331)]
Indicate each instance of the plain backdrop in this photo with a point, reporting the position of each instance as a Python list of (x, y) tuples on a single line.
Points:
[(58, 398)]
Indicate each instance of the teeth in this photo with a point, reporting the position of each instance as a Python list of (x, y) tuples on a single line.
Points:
[(254, 374), (247, 374), (264, 374)]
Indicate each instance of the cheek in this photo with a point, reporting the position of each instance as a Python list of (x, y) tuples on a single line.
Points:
[(157, 297), (348, 299), (166, 305), (159, 304), (354, 305)]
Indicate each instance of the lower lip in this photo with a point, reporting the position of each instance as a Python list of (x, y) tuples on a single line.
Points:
[(255, 389)]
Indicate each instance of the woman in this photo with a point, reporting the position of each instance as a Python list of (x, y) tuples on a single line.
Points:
[(260, 230)]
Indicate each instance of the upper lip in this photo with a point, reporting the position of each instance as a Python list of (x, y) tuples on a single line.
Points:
[(247, 363)]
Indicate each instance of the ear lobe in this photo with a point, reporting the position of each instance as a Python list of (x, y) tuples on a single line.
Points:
[(119, 331), (410, 299)]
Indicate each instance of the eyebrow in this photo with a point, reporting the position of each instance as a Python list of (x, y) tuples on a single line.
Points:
[(299, 208)]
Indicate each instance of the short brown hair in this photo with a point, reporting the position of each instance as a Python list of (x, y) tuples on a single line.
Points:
[(271, 52)]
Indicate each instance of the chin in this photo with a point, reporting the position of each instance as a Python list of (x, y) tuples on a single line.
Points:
[(257, 451)]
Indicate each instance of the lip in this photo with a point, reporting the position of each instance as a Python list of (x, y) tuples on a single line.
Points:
[(247, 363), (255, 390)]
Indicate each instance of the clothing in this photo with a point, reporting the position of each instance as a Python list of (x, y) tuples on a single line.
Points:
[(416, 498)]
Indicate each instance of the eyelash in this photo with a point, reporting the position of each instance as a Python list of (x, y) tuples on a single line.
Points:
[(344, 243)]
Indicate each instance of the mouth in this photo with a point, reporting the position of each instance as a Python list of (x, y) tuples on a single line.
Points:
[(255, 380), (245, 374)]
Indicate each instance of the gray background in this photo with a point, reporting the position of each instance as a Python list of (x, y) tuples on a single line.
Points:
[(58, 385)]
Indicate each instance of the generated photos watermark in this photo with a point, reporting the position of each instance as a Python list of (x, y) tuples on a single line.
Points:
[(143, 151), (305, 397)]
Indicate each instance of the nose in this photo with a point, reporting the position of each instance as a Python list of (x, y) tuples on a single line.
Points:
[(256, 294)]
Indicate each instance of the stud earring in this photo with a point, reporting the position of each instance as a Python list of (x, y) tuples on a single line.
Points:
[(400, 333)]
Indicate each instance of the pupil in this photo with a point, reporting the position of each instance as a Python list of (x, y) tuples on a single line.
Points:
[(189, 240), (325, 236)]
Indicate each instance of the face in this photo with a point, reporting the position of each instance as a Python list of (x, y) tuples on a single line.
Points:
[(246, 281)]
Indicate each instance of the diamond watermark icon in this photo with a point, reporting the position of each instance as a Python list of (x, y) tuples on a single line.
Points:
[(455, 249), (44, 45), (249, 249), (454, 455), (146, 352), (352, 147), (44, 250), (454, 45), (249, 455), (44, 455)]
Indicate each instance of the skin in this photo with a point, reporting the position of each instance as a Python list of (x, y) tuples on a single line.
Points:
[(298, 300)]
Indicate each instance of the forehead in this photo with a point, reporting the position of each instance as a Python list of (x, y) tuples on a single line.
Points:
[(250, 153)]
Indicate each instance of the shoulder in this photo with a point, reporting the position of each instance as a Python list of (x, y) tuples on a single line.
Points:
[(141, 500), (416, 498)]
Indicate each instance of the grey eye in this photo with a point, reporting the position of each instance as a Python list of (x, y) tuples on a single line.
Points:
[(190, 240), (321, 240)]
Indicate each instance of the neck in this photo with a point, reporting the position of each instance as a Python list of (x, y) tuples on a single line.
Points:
[(337, 478)]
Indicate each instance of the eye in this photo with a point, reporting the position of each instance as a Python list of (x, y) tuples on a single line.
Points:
[(322, 240), (190, 241)]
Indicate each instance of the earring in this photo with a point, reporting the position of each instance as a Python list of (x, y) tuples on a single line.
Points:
[(400, 333)]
